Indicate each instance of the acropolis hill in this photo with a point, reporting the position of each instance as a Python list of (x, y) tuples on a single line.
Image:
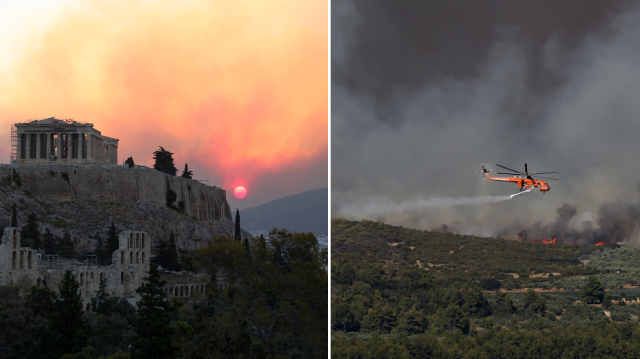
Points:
[(66, 173)]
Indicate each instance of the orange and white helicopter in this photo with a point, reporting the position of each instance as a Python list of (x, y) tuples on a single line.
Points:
[(524, 180)]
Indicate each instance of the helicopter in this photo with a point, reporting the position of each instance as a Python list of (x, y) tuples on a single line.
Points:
[(525, 181)]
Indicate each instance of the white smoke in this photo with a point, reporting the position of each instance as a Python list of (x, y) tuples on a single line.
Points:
[(379, 208)]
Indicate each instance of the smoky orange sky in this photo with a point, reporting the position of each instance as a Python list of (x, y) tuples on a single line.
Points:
[(236, 89)]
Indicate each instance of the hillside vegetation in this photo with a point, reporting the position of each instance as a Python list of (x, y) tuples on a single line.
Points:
[(428, 294)]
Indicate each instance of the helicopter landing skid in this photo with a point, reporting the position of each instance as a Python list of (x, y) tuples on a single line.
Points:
[(523, 192)]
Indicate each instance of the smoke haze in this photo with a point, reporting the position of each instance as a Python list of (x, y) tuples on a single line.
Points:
[(236, 89), (423, 93)]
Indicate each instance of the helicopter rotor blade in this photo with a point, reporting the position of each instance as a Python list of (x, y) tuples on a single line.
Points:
[(511, 174), (507, 168), (543, 173), (525, 169), (547, 178)]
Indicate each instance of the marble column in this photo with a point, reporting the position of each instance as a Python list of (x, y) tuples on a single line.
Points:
[(79, 145), (89, 146), (28, 146), (49, 139), (38, 145), (59, 145)]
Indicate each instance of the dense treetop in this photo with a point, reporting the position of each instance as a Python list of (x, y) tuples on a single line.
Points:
[(409, 293)]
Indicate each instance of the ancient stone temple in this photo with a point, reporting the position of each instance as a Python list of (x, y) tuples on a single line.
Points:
[(53, 141)]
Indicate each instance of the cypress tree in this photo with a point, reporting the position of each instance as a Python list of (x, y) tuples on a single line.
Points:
[(40, 299), (112, 240), (161, 254), (14, 216), (247, 248), (154, 334), (172, 253), (186, 173), (49, 243), (31, 231), (263, 247), (99, 242), (238, 233), (66, 317), (66, 239), (101, 298), (66, 246)]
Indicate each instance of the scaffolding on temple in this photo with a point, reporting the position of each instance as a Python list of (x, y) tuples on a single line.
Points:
[(14, 144)]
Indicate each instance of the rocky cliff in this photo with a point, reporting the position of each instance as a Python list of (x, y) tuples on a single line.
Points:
[(117, 185), (86, 199)]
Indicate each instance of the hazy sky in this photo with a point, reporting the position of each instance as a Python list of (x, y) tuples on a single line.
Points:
[(236, 89), (423, 92)]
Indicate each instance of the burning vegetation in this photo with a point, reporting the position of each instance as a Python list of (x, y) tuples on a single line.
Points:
[(617, 222)]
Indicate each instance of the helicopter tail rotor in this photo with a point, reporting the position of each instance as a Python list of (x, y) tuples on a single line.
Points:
[(484, 171)]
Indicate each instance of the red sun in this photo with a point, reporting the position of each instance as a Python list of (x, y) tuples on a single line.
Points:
[(240, 192)]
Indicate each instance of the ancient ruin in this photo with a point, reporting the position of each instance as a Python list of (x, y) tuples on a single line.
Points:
[(25, 267), (61, 142)]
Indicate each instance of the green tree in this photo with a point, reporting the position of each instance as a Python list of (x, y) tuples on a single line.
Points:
[(167, 253), (342, 318), (99, 305), (164, 162), (40, 300), (238, 231), (154, 333), (475, 303), (161, 254), (66, 317), (381, 319), (14, 216), (412, 321), (454, 318), (532, 301), (593, 291), (67, 252), (66, 239), (129, 162), (113, 242), (100, 249), (490, 284), (49, 243), (172, 252), (186, 173), (86, 353), (254, 303), (66, 246), (504, 303), (16, 319), (30, 233), (66, 331)]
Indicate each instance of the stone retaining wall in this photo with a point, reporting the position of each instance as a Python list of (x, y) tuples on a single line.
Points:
[(116, 184)]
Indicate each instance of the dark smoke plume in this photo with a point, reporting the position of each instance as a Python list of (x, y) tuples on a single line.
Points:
[(425, 92)]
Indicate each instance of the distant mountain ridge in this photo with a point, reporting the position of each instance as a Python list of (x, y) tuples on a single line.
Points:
[(302, 212)]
